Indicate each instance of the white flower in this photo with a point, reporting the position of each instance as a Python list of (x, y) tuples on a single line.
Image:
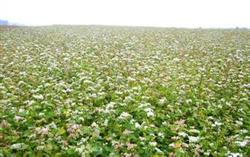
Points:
[(239, 122), (41, 114), (130, 79), (194, 131), (143, 105), (18, 146), (127, 132), (40, 147), (53, 125), (21, 110), (130, 145), (183, 134), (193, 139), (242, 143), (160, 134), (132, 121), (42, 131), (73, 128), (123, 104), (110, 105), (244, 131), (106, 122), (93, 95), (142, 138), (234, 155), (152, 144), (176, 59), (149, 112), (158, 150), (216, 123), (162, 101), (80, 149), (94, 125), (124, 115), (17, 118), (171, 145), (87, 82), (189, 101), (137, 125), (38, 97), (29, 102)]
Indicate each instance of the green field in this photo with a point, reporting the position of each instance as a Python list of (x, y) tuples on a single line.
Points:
[(124, 91)]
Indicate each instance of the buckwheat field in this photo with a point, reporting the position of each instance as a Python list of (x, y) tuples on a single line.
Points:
[(124, 91)]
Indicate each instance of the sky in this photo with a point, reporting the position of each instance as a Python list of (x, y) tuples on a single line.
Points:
[(162, 13)]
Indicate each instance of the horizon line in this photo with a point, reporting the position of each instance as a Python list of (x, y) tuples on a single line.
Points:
[(116, 25)]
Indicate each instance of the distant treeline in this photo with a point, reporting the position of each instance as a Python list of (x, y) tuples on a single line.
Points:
[(4, 22)]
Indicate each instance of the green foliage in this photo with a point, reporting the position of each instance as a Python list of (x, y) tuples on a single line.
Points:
[(120, 91)]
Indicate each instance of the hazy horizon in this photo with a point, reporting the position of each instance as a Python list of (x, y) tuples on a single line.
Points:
[(152, 13)]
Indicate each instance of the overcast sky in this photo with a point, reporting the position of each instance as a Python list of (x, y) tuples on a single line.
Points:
[(166, 13)]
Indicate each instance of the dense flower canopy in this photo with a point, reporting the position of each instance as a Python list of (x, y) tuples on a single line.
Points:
[(120, 91)]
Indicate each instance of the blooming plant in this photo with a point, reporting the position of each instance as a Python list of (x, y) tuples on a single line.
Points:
[(124, 91)]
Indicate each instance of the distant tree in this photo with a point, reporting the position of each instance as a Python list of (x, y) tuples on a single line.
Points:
[(4, 22)]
